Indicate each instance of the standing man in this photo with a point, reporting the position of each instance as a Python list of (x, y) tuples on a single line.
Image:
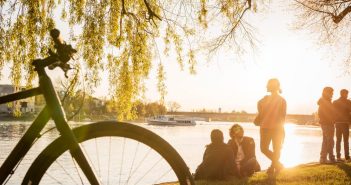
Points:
[(271, 118), (326, 115), (342, 120)]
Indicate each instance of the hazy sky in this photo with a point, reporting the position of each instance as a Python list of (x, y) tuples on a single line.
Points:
[(294, 57)]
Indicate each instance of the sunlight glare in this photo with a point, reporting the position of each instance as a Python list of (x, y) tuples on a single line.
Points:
[(292, 148)]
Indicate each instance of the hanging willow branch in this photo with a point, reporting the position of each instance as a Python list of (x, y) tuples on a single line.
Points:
[(126, 26)]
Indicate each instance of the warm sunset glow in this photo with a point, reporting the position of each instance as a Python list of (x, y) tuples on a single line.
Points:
[(175, 92), (293, 149), (231, 83), (302, 66)]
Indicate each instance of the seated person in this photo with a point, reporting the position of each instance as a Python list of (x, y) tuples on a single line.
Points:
[(244, 152), (217, 161)]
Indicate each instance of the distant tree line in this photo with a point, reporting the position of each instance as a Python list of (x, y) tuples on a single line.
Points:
[(81, 105), (149, 109)]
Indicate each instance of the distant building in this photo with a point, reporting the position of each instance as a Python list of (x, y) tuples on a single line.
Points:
[(24, 105), (98, 102)]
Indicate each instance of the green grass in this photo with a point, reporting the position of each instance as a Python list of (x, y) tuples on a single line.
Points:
[(337, 174)]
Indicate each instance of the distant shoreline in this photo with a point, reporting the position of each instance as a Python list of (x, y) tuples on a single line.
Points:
[(199, 116), (299, 119), (30, 117)]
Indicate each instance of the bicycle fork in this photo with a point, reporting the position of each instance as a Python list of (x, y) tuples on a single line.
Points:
[(59, 117)]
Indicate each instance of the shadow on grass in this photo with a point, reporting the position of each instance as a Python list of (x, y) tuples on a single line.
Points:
[(230, 181), (266, 181), (236, 181), (346, 168), (262, 179)]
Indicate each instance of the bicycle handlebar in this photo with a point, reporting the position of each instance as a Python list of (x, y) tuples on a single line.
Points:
[(64, 52)]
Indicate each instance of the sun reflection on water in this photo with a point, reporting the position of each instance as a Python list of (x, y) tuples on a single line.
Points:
[(292, 148)]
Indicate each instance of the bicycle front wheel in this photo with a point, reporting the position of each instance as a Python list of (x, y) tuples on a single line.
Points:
[(119, 153)]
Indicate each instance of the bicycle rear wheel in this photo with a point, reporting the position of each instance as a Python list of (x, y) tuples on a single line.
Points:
[(119, 153)]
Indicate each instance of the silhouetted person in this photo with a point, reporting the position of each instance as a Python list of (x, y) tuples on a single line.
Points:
[(244, 152), (271, 113), (326, 115), (342, 108), (217, 161)]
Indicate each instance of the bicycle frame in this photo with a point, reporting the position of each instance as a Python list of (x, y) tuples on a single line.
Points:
[(54, 110), (28, 138)]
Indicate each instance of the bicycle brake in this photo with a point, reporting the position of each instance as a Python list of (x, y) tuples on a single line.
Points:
[(64, 66)]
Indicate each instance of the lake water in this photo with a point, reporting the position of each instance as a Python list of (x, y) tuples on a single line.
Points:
[(302, 143)]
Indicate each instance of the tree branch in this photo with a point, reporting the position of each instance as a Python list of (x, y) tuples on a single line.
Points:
[(314, 9), (124, 12), (338, 18), (224, 37), (335, 16), (150, 12)]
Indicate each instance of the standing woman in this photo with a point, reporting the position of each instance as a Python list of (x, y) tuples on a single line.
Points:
[(271, 118), (326, 115)]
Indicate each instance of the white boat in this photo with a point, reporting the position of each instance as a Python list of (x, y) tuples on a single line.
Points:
[(168, 120)]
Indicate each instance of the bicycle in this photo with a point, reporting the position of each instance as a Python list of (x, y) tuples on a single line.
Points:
[(76, 144)]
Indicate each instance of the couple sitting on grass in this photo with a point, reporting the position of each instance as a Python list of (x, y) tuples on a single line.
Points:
[(238, 156), (222, 161)]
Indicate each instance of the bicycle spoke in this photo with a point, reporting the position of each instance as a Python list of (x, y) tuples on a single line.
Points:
[(120, 171), (77, 170), (68, 174), (131, 167), (109, 161), (97, 156), (170, 169), (143, 159), (53, 178), (149, 170), (87, 156)]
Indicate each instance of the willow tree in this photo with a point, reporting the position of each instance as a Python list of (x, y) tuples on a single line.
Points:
[(330, 20), (119, 36)]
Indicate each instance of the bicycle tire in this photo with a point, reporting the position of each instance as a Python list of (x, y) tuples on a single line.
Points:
[(110, 129)]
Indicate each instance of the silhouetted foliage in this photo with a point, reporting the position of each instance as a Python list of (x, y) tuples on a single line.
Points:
[(329, 19), (122, 31)]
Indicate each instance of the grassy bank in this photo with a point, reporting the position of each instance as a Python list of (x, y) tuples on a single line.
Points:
[(336, 174)]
